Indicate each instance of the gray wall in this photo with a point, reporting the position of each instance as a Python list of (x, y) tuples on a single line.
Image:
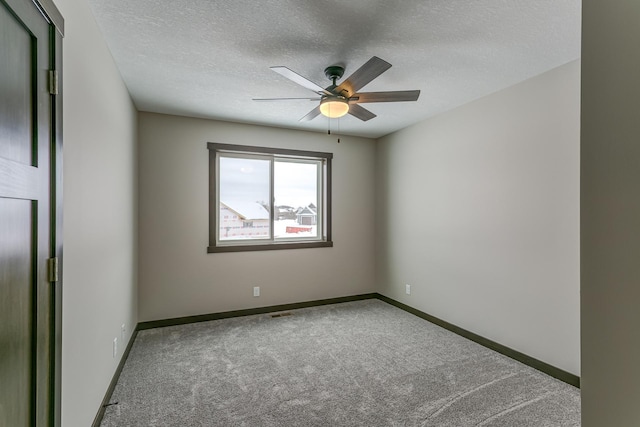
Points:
[(100, 215), (178, 277), (610, 212), (478, 211)]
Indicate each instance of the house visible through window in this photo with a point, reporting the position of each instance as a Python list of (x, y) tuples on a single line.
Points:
[(265, 198)]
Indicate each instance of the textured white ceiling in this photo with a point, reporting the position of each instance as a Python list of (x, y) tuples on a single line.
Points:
[(209, 58)]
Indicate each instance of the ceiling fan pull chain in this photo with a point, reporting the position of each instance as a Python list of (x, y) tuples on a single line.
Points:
[(329, 128)]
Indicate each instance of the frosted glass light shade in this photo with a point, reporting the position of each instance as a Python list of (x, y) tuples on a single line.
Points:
[(334, 107)]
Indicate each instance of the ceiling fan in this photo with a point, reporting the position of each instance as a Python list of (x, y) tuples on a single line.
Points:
[(338, 100)]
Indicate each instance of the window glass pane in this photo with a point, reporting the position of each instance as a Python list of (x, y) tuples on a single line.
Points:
[(296, 199), (244, 199), (265, 198)]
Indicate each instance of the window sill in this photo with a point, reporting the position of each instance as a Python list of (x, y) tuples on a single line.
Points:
[(268, 247)]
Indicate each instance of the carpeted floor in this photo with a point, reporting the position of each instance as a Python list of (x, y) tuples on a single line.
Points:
[(363, 363)]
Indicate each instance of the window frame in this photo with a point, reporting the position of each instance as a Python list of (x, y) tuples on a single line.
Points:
[(324, 240)]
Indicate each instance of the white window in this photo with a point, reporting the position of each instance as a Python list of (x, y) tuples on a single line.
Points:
[(265, 198)]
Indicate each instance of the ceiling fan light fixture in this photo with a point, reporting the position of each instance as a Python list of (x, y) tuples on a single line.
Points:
[(334, 107)]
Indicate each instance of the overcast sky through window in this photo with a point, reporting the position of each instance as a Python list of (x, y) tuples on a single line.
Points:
[(295, 184)]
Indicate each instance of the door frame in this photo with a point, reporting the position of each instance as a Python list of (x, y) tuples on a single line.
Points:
[(56, 31), (56, 219)]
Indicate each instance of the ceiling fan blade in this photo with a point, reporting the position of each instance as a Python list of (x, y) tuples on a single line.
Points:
[(393, 96), (302, 81), (360, 112), (363, 76), (285, 99), (311, 114)]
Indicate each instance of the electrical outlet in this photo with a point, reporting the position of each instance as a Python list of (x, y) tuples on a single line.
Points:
[(115, 347), (123, 332), (256, 291), (407, 289)]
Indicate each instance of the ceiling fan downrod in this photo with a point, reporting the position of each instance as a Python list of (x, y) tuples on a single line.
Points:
[(334, 72)]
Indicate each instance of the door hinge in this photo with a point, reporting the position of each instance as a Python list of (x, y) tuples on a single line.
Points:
[(53, 82), (52, 269)]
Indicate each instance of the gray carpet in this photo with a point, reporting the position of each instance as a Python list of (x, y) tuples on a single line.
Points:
[(364, 363)]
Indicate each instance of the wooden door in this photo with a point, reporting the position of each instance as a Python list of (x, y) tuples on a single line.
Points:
[(27, 320)]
